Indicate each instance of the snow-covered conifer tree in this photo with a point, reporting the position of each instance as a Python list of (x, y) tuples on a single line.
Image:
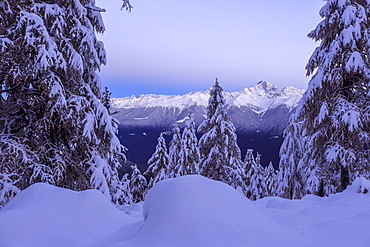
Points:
[(270, 180), (138, 185), (122, 194), (334, 110), (257, 180), (50, 100), (189, 153), (248, 160), (158, 163), (220, 154), (290, 179), (125, 183), (174, 153), (258, 159), (249, 165)]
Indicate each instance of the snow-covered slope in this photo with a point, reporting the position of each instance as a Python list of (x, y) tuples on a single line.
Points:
[(186, 211), (247, 108), (44, 215)]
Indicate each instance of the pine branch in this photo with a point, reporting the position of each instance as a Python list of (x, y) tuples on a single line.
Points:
[(96, 9)]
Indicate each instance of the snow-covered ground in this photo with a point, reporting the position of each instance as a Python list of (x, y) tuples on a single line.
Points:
[(187, 211)]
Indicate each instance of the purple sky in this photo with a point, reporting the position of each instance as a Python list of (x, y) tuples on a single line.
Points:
[(175, 47)]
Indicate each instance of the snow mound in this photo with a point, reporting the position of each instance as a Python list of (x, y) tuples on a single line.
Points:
[(196, 211), (45, 215), (360, 185), (186, 211), (342, 219)]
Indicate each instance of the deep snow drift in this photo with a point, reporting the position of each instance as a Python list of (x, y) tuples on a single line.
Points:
[(44, 215), (187, 211)]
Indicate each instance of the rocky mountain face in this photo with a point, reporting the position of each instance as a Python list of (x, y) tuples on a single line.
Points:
[(259, 113)]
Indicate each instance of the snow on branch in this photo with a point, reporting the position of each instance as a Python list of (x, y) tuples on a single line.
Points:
[(355, 63), (126, 5)]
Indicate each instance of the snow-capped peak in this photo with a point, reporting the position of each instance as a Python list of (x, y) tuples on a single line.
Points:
[(259, 98), (267, 87), (266, 96)]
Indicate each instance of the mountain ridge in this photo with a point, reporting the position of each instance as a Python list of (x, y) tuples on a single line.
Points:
[(261, 97), (247, 108)]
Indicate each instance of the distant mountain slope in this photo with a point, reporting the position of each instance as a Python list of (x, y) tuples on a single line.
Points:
[(263, 107)]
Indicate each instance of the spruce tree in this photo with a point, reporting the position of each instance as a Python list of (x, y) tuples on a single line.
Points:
[(291, 168), (51, 115), (334, 111), (125, 182), (138, 185), (220, 155), (158, 163), (249, 166), (174, 153), (257, 188), (270, 180), (189, 154), (255, 180)]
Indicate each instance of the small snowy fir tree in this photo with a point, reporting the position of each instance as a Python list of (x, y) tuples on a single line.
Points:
[(249, 165), (257, 185), (290, 179), (125, 182), (138, 185), (122, 195), (270, 180), (189, 153), (220, 155), (334, 110), (50, 102), (158, 163), (174, 153)]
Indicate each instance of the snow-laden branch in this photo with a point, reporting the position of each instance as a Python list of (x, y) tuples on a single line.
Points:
[(126, 5)]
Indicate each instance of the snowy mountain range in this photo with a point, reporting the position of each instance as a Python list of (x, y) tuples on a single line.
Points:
[(263, 107)]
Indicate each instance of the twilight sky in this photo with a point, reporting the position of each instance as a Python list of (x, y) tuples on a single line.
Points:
[(178, 46)]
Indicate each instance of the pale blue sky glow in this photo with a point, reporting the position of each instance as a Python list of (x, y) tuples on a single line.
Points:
[(177, 46)]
